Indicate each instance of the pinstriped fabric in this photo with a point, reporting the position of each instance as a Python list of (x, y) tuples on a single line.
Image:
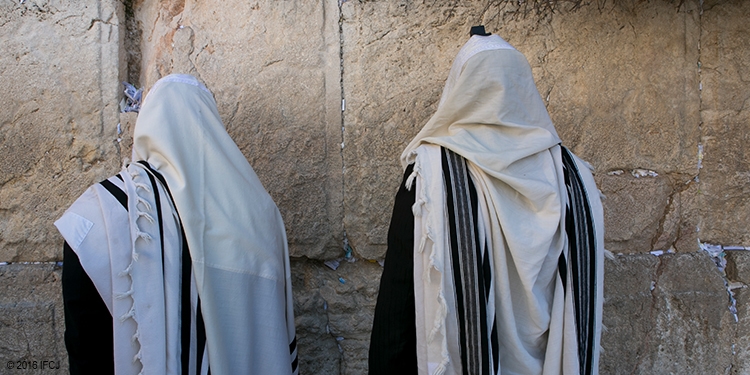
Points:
[(580, 268), (472, 271)]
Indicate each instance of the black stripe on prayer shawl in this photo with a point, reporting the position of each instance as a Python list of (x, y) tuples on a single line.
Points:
[(185, 305), (201, 333), (468, 266), (487, 273), (116, 192), (185, 286), (293, 352), (579, 227), (157, 199), (185, 289)]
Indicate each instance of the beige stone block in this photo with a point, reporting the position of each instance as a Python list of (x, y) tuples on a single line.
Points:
[(337, 308), (633, 209), (60, 81), (318, 350), (665, 315), (738, 275), (627, 316), (725, 112), (32, 320), (621, 97), (644, 211), (274, 70), (622, 84)]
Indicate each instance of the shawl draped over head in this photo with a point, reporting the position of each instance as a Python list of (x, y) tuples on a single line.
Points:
[(492, 115), (238, 255), (234, 230)]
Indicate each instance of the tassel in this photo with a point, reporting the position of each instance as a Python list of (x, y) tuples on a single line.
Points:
[(440, 318), (144, 236), (144, 202), (410, 180), (146, 216), (126, 271), (426, 276), (130, 314), (422, 243), (142, 186), (440, 370), (608, 254), (416, 208), (126, 294), (443, 366), (430, 233)]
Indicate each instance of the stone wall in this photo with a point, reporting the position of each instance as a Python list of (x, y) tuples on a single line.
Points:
[(322, 97)]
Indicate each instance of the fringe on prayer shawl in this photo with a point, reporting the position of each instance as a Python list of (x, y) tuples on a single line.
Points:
[(135, 213), (423, 208)]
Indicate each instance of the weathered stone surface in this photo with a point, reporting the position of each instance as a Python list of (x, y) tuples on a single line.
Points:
[(666, 315), (738, 275), (274, 70), (647, 213), (632, 210), (60, 81), (620, 97), (317, 349), (622, 83), (334, 310), (32, 320), (725, 112)]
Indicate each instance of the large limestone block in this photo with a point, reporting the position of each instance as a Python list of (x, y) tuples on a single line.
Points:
[(725, 111), (60, 81), (645, 212), (666, 315), (337, 308), (621, 97), (738, 275), (622, 83), (274, 70), (32, 320), (318, 350)]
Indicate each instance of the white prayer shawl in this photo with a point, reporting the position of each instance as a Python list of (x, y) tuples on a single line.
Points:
[(119, 247), (234, 230), (491, 114)]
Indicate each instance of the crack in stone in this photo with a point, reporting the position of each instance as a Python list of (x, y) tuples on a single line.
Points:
[(330, 333), (345, 240), (673, 207)]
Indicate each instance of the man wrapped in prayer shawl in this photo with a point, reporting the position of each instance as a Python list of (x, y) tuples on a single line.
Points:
[(494, 261), (178, 264)]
